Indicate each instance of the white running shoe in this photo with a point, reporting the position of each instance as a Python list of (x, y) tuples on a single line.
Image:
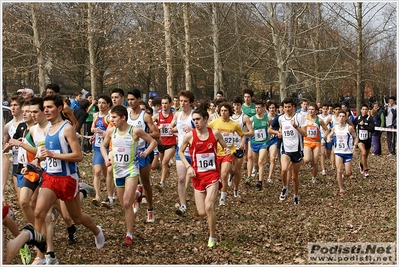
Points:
[(323, 172), (230, 181), (99, 239)]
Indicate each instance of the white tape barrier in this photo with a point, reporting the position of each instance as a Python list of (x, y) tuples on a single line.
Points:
[(382, 129)]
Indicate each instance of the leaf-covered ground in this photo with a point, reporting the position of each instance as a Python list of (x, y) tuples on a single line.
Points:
[(254, 229)]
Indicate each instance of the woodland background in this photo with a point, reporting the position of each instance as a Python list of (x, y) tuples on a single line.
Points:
[(325, 50)]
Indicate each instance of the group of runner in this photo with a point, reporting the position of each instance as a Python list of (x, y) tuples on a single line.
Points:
[(210, 143)]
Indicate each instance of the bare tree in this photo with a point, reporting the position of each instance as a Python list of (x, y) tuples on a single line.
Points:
[(187, 46)]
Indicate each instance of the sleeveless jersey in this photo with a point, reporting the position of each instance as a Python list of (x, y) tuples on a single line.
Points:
[(324, 118), (344, 142), (292, 139), (167, 139), (260, 130), (139, 123), (275, 126), (312, 130), (180, 125), (227, 129), (24, 156), (102, 124), (203, 154), (58, 144), (250, 111), (38, 139), (11, 131), (125, 155), (240, 121)]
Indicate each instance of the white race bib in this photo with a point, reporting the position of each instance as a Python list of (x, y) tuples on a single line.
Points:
[(363, 135), (164, 130), (311, 131), (228, 139), (121, 158), (206, 162), (99, 138), (260, 135), (54, 165)]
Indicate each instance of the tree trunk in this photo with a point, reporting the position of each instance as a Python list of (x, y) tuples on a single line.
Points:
[(359, 59), (39, 51), (282, 74), (168, 49), (187, 47), (90, 41), (218, 77)]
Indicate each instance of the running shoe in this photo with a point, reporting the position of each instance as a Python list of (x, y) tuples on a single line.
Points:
[(366, 173), (128, 242), (150, 216), (107, 203), (39, 261), (96, 202), (181, 211), (283, 193), (314, 180), (72, 235), (211, 243), (361, 168), (99, 239), (269, 180), (50, 260), (259, 185), (159, 186), (222, 202), (248, 180), (25, 255), (236, 193), (12, 216), (296, 200), (268, 165), (90, 191), (136, 206), (253, 174), (230, 181), (323, 172), (38, 239)]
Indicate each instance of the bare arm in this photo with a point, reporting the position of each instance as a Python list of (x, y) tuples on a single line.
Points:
[(68, 112), (186, 141), (105, 144)]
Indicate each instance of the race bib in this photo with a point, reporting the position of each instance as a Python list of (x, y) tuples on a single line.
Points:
[(237, 139), (164, 130), (54, 165), (363, 135), (99, 139), (341, 144), (228, 139), (288, 132), (311, 131), (206, 162), (260, 135), (121, 156)]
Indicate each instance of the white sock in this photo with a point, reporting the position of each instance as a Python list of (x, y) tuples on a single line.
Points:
[(111, 199), (129, 235), (212, 239)]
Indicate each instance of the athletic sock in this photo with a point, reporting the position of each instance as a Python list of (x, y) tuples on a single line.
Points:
[(223, 195), (129, 234)]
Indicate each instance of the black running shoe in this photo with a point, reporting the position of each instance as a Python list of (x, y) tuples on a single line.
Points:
[(283, 193), (38, 239)]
